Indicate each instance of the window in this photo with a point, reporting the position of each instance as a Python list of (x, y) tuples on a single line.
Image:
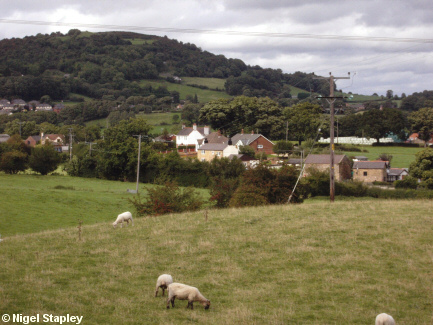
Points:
[(203, 152), (219, 153), (365, 173), (213, 152), (259, 146)]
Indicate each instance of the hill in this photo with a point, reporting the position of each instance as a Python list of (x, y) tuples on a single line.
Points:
[(312, 263), (317, 263), (113, 64)]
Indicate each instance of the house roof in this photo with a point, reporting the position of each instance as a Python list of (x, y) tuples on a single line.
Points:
[(216, 137), (247, 139), (18, 102), (35, 137), (4, 137), (294, 161), (370, 164), (188, 130), (213, 146), (396, 171), (53, 137), (323, 159)]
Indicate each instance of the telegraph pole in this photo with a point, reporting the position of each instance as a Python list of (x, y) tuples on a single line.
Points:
[(138, 164), (70, 144), (331, 101)]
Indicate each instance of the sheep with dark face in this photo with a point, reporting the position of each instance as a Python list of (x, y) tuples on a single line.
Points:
[(163, 282), (186, 292), (384, 319), (123, 217)]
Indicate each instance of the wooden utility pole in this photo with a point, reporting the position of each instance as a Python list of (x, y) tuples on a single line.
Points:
[(331, 101), (138, 164)]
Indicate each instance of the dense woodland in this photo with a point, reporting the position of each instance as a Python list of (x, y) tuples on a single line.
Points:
[(113, 63)]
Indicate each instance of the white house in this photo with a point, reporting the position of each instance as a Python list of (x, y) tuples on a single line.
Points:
[(191, 137)]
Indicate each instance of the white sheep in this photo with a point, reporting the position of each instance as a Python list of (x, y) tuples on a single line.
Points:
[(384, 319), (123, 217), (163, 282), (185, 292)]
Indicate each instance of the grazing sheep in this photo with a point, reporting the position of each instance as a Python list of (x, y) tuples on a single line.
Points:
[(384, 319), (123, 217), (185, 292), (163, 282)]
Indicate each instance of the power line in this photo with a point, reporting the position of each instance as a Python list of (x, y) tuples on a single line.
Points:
[(222, 32)]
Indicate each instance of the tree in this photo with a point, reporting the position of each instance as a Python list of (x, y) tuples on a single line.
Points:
[(169, 198), (191, 113), (422, 122), (283, 147), (379, 123), (422, 167), (44, 159), (247, 150), (304, 121), (117, 158), (389, 94), (243, 112), (12, 162)]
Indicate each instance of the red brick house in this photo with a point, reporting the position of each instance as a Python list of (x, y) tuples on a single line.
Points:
[(256, 141)]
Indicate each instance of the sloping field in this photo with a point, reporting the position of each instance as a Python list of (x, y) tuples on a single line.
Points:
[(316, 263)]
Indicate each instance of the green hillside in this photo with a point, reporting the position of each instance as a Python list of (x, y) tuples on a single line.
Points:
[(204, 95), (312, 263)]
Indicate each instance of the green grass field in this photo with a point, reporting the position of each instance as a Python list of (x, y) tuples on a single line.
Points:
[(314, 263), (203, 95), (212, 83), (38, 203), (402, 157)]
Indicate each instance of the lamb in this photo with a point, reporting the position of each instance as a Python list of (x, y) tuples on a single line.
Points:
[(185, 292), (123, 217), (163, 282), (384, 319)]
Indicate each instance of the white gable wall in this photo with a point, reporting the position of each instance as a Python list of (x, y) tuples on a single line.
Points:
[(230, 150), (190, 139)]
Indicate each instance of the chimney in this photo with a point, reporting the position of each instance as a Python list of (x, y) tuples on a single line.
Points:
[(194, 127), (205, 140), (230, 143), (183, 126), (242, 131), (206, 130), (252, 132)]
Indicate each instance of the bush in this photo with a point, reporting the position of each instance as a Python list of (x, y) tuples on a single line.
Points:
[(222, 191), (318, 182), (44, 159), (13, 162), (351, 188), (407, 182), (262, 185), (247, 195), (169, 198)]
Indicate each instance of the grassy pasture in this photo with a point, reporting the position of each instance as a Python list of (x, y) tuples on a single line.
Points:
[(203, 95), (37, 203), (314, 263), (402, 157), (317, 263), (212, 83)]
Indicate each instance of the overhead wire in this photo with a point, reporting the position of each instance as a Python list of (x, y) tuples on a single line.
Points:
[(222, 32)]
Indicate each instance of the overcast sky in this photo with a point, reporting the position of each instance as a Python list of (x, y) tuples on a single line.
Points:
[(392, 50)]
